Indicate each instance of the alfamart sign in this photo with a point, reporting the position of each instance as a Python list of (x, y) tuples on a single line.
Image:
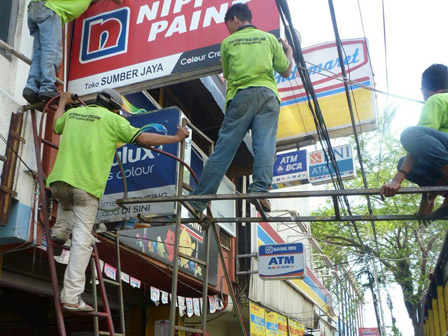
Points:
[(144, 40)]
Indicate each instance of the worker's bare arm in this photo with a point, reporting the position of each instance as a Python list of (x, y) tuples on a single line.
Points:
[(391, 188), (66, 98), (288, 53), (151, 139)]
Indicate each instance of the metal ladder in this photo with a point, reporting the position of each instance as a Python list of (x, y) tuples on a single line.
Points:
[(210, 225), (177, 254), (95, 263)]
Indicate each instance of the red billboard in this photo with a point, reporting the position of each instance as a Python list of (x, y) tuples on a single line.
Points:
[(369, 332), (146, 40)]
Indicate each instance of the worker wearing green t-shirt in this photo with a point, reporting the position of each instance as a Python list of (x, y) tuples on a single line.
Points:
[(45, 21), (89, 136), (249, 57), (426, 162)]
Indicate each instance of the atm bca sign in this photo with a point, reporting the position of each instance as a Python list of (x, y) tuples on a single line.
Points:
[(281, 261)]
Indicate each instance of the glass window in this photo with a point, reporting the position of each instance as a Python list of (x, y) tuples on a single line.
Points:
[(5, 9)]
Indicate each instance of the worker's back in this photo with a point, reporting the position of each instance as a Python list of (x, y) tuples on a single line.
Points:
[(89, 136)]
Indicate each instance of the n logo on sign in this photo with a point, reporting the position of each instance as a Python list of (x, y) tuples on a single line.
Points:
[(105, 35)]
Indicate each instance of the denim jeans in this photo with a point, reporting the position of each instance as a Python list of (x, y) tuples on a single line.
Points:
[(46, 28), (77, 210), (430, 147), (254, 108)]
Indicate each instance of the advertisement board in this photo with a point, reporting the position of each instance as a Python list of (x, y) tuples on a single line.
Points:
[(369, 332), (146, 173), (257, 320), (282, 325), (158, 242), (290, 169), (296, 120), (281, 261), (320, 172), (143, 41), (295, 328), (271, 324)]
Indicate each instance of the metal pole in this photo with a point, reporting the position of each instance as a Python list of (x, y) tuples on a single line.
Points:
[(205, 284), (120, 287), (229, 284), (380, 303), (180, 180), (20, 56)]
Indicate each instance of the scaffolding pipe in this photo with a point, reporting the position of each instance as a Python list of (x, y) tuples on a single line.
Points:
[(20, 56), (283, 194)]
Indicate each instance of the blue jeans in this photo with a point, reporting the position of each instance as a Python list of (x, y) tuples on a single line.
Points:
[(430, 147), (46, 28), (255, 108)]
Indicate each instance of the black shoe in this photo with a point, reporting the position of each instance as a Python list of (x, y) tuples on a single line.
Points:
[(30, 96), (263, 202), (46, 96)]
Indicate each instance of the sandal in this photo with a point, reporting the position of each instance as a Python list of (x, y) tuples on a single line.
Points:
[(82, 307), (426, 204), (441, 212)]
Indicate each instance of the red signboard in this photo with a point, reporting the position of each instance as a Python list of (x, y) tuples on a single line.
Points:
[(139, 41), (369, 332)]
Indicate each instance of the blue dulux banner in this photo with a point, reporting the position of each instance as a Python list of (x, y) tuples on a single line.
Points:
[(147, 173)]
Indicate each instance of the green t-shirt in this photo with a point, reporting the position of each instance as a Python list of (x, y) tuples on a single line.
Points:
[(89, 136), (249, 58), (435, 112), (68, 10)]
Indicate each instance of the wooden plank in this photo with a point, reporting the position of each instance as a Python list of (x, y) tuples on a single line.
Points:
[(9, 167)]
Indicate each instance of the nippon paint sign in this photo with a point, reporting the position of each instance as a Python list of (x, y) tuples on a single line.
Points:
[(296, 120), (319, 171), (141, 41), (281, 261), (290, 169)]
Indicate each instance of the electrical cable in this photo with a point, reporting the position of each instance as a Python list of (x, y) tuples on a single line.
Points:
[(313, 105)]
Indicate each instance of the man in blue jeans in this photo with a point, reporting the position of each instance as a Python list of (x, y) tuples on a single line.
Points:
[(426, 162), (249, 57), (45, 22)]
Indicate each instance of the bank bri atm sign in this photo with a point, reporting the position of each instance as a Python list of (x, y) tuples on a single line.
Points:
[(281, 261)]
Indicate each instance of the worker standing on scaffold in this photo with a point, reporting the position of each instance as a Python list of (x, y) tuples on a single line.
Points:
[(45, 21), (89, 136), (249, 57), (426, 162)]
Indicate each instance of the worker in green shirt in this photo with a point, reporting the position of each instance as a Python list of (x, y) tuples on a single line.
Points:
[(45, 21), (249, 58), (89, 136), (426, 162)]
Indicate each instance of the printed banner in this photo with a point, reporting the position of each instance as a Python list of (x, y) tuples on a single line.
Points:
[(296, 120), (147, 173), (257, 321), (271, 324), (158, 242), (141, 41), (282, 325)]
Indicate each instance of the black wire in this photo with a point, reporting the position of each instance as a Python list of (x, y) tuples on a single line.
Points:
[(313, 104)]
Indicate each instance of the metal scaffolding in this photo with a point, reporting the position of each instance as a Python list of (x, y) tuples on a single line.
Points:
[(333, 194)]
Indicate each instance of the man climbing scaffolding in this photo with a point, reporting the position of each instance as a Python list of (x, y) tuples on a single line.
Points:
[(45, 21), (426, 162), (89, 136), (253, 102)]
